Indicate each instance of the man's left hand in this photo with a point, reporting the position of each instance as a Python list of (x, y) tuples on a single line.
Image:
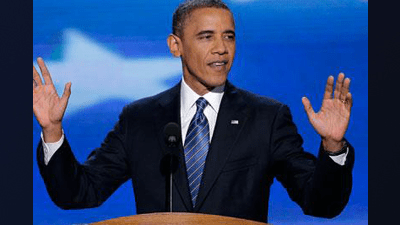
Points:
[(332, 120)]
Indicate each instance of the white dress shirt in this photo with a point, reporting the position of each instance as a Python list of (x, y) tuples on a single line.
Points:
[(188, 109)]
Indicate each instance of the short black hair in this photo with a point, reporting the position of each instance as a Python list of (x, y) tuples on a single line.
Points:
[(185, 8)]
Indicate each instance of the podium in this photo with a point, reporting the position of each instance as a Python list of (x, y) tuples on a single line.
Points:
[(177, 218)]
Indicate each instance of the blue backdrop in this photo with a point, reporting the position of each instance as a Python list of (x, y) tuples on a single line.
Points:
[(115, 52)]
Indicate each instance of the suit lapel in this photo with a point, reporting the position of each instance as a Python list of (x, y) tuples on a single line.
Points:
[(170, 112), (230, 121)]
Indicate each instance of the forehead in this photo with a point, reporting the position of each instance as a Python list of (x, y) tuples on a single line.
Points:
[(216, 19)]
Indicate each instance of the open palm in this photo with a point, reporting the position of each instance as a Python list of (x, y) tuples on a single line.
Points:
[(332, 120), (48, 107)]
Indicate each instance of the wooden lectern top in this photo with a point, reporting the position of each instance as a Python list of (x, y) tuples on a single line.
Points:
[(177, 218)]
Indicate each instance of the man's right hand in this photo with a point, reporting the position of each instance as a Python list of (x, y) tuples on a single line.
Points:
[(48, 107)]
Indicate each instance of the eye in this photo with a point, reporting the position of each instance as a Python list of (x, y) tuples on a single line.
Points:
[(205, 37), (230, 37)]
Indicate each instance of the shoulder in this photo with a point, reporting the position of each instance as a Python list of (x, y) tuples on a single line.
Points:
[(256, 101), (262, 111), (147, 105)]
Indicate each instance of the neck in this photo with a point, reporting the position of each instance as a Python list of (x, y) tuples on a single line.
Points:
[(201, 89)]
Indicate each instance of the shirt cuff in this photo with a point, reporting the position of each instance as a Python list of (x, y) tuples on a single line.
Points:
[(50, 148), (340, 159)]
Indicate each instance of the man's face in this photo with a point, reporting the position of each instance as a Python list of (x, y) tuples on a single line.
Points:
[(207, 48)]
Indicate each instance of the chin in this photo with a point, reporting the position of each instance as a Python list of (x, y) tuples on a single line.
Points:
[(218, 81)]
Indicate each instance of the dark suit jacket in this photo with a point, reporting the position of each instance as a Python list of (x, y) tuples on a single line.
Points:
[(242, 162)]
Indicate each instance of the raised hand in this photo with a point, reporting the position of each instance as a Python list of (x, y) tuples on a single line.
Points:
[(48, 107), (332, 120)]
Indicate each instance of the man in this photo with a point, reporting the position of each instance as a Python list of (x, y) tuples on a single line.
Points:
[(234, 143)]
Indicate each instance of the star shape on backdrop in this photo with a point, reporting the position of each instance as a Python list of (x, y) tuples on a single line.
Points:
[(97, 73)]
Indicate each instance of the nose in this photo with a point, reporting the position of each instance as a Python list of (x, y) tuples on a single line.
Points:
[(219, 47)]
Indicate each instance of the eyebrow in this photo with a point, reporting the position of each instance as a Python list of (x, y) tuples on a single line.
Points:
[(212, 32), (205, 32)]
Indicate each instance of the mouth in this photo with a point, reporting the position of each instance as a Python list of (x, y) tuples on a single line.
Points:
[(218, 64)]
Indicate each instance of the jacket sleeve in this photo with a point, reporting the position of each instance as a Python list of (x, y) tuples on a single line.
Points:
[(72, 185), (319, 185)]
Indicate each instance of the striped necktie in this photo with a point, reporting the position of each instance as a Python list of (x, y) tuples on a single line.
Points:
[(196, 147)]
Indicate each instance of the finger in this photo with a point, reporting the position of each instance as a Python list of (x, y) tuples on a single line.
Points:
[(349, 101), (36, 76), (307, 107), (45, 71), (338, 87), (329, 88), (345, 89), (66, 94)]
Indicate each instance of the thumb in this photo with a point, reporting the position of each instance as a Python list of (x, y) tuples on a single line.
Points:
[(307, 107)]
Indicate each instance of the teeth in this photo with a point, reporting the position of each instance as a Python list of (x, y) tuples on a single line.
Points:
[(219, 63)]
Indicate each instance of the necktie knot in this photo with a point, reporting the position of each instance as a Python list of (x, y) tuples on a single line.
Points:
[(201, 104)]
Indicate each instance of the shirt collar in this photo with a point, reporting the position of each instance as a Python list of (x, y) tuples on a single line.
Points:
[(189, 97)]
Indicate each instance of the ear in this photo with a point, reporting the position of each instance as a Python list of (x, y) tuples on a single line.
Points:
[(173, 42)]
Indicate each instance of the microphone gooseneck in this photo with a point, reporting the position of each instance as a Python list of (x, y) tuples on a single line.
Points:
[(169, 163)]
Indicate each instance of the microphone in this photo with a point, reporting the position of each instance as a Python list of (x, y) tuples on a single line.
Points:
[(170, 162), (172, 135)]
